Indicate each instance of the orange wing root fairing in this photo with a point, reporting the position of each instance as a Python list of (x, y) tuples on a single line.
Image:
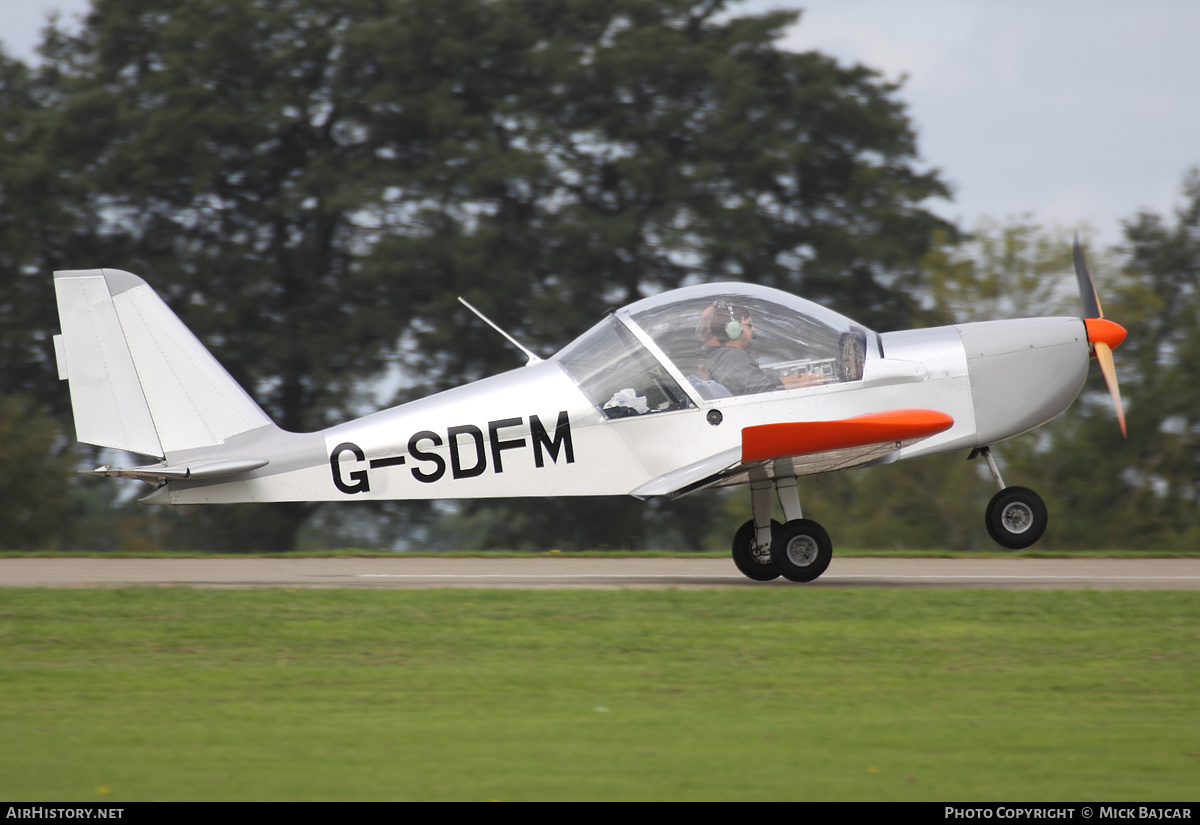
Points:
[(769, 441)]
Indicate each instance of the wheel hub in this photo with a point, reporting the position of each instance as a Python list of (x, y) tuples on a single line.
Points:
[(802, 551), (1017, 517)]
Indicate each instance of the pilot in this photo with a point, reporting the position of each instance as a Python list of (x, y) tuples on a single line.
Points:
[(730, 364)]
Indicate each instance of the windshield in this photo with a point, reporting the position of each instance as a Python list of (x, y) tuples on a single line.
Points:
[(618, 374)]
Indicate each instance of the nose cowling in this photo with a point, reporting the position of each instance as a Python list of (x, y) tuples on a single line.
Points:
[(1023, 372)]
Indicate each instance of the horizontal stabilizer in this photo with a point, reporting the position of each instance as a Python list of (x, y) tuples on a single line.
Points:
[(796, 438), (195, 470)]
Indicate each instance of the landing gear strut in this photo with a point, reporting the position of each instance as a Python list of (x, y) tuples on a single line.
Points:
[(1016, 516), (763, 549)]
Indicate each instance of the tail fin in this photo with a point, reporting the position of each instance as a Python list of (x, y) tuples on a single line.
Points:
[(140, 381)]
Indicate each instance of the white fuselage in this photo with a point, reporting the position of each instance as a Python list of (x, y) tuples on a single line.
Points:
[(532, 432)]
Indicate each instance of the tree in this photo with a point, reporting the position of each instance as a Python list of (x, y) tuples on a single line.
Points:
[(1013, 269), (36, 502), (44, 225), (311, 183), (635, 146), (1159, 501)]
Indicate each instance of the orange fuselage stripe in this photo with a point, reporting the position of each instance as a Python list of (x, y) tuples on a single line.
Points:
[(768, 441)]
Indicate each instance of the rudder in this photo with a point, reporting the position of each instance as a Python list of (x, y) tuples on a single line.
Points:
[(140, 381)]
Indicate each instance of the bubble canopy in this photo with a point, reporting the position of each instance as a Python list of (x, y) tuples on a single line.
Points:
[(692, 346)]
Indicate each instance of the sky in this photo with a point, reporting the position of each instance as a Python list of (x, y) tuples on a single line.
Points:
[(1075, 113)]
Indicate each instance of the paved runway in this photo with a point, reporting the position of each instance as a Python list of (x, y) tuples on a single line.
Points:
[(565, 573)]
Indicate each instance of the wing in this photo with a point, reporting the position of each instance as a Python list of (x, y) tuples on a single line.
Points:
[(796, 448)]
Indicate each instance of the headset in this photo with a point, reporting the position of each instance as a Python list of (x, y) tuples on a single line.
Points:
[(733, 327)]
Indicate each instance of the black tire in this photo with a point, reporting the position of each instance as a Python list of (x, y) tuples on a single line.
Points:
[(802, 549), (751, 565), (1016, 517)]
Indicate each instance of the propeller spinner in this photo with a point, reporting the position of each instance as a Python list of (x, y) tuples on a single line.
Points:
[(1103, 335)]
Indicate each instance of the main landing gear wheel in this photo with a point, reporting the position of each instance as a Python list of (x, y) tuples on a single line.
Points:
[(1016, 517), (802, 549), (753, 563)]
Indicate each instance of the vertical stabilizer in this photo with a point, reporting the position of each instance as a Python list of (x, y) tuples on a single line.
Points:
[(140, 381)]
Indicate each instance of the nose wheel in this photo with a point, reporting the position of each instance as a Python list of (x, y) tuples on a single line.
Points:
[(1016, 516)]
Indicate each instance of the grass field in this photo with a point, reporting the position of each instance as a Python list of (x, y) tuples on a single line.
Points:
[(174, 694)]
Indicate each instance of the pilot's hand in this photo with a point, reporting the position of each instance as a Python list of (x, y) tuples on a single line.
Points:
[(791, 382)]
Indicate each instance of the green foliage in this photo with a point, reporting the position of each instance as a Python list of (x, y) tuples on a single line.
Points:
[(1002, 270), (43, 227), (1160, 306), (35, 479)]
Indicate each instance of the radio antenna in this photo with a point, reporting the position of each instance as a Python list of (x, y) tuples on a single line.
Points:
[(533, 358)]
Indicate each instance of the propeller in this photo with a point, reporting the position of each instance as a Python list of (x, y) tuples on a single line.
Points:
[(1103, 335)]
